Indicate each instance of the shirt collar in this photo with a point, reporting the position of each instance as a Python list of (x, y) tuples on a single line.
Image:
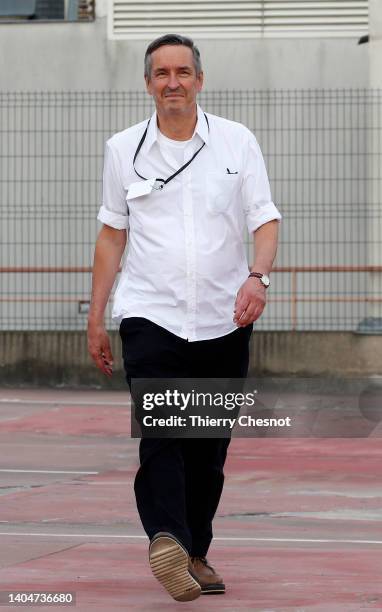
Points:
[(201, 129)]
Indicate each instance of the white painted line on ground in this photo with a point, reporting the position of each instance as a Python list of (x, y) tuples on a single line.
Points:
[(228, 538), (46, 472), (311, 541), (115, 483), (61, 402)]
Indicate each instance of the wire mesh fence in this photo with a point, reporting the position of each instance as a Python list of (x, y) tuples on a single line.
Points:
[(322, 149)]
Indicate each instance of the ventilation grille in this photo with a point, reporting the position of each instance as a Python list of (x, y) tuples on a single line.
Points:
[(147, 18)]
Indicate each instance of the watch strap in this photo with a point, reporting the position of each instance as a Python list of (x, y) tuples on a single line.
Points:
[(260, 276)]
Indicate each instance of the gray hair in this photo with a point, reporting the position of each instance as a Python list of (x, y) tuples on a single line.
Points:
[(172, 39)]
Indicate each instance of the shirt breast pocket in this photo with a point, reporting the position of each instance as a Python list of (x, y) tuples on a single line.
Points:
[(221, 191)]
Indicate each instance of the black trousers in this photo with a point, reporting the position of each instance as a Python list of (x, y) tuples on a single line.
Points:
[(179, 482)]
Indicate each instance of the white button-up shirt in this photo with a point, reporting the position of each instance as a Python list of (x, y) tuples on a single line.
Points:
[(186, 257)]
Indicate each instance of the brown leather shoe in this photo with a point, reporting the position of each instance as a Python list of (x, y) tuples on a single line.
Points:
[(209, 580), (172, 567)]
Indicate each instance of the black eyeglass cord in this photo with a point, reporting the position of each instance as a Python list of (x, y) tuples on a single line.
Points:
[(160, 180)]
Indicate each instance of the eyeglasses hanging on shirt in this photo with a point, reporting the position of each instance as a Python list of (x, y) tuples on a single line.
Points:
[(138, 189)]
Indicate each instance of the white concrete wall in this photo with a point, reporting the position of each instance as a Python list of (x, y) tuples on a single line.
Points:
[(72, 56), (375, 46)]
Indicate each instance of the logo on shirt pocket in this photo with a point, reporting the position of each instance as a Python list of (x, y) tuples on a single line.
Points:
[(221, 189)]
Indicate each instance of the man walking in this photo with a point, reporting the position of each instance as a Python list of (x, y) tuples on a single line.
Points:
[(183, 186)]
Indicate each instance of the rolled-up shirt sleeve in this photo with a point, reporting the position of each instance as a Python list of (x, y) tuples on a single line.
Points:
[(255, 190), (114, 211)]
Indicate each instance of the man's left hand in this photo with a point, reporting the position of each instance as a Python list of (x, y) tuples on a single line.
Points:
[(250, 302)]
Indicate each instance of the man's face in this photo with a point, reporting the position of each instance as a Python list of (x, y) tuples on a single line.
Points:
[(173, 82)]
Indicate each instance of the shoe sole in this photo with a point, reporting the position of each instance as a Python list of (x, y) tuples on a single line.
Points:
[(213, 589), (169, 563)]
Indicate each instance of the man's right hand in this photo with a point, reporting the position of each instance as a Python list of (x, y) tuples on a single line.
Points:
[(109, 248), (99, 348)]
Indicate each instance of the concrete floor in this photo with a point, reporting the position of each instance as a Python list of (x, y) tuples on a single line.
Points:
[(298, 527)]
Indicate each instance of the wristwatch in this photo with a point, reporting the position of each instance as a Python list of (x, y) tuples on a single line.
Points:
[(264, 279)]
